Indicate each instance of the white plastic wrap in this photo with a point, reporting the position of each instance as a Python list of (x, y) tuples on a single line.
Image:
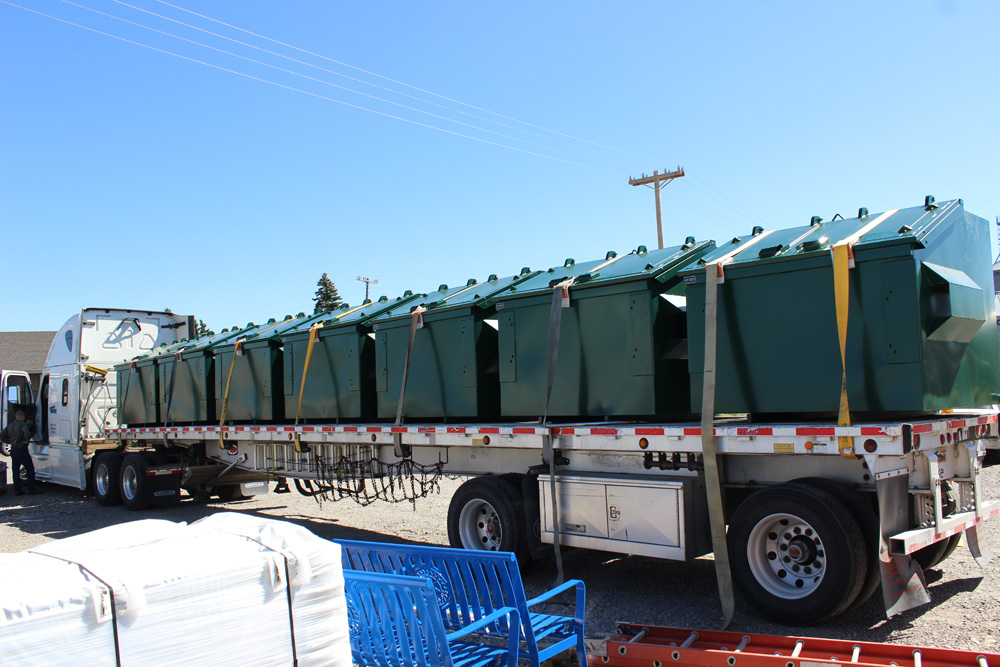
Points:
[(230, 589)]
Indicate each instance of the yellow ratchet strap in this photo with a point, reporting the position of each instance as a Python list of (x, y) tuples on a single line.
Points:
[(225, 399), (843, 262), (841, 292), (313, 336)]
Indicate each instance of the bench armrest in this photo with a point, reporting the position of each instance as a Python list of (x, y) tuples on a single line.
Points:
[(580, 591), (486, 620)]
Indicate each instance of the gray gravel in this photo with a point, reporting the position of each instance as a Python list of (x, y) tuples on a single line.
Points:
[(965, 613)]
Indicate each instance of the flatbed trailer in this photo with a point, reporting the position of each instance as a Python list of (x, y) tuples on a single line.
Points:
[(817, 514)]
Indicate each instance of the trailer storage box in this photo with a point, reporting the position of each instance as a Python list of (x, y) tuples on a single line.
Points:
[(454, 369), (155, 592), (137, 384), (921, 332), (621, 349), (256, 388), (340, 375)]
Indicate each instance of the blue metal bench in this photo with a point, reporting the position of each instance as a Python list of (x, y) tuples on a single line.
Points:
[(395, 621), (470, 585)]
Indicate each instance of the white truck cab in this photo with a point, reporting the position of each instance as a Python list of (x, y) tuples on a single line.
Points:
[(76, 400)]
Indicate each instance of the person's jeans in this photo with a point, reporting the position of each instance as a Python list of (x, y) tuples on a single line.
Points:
[(21, 457)]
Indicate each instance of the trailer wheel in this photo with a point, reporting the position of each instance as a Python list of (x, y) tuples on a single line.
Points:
[(229, 492), (133, 482), (106, 476), (794, 550), (868, 523), (486, 513), (935, 554)]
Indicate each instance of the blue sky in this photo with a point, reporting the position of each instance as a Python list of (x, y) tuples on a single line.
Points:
[(135, 178)]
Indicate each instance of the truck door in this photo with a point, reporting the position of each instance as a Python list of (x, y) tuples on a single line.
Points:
[(15, 390)]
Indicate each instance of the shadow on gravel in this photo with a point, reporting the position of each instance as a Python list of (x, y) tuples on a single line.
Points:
[(64, 512)]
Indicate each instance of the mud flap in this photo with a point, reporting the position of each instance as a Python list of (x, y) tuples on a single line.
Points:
[(975, 537), (903, 583)]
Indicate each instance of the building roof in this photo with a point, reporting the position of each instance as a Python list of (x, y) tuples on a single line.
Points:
[(24, 350)]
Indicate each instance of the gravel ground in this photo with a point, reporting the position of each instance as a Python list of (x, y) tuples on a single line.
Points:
[(965, 613)]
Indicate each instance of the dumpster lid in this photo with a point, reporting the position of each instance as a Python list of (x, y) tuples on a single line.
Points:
[(215, 339), (274, 329), (354, 315), (472, 294), (163, 350), (640, 264), (915, 226)]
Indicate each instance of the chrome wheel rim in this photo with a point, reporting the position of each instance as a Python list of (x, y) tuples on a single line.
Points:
[(102, 480), (479, 526), (129, 483), (786, 556)]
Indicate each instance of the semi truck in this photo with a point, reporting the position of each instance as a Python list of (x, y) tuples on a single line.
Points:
[(809, 514)]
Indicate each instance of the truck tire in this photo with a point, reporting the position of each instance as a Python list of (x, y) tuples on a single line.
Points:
[(935, 554), (868, 522), (106, 479), (794, 550), (133, 482), (486, 513), (228, 492)]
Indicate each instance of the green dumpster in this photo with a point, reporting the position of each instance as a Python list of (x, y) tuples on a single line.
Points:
[(187, 392), (138, 386), (454, 369), (256, 389), (340, 376), (621, 347), (921, 332)]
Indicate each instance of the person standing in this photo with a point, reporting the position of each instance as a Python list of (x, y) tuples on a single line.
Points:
[(18, 435)]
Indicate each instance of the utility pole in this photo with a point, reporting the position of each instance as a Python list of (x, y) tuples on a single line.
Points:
[(368, 283), (657, 181)]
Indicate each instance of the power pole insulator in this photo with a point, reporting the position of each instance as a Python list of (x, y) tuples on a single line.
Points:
[(657, 181), (368, 283)]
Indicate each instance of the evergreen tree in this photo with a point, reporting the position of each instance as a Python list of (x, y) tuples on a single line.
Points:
[(326, 297), (202, 329)]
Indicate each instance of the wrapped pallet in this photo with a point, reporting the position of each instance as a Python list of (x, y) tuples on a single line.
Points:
[(227, 590)]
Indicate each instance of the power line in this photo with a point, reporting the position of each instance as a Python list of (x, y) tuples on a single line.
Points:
[(401, 83), (311, 94), (362, 108), (304, 76), (357, 80)]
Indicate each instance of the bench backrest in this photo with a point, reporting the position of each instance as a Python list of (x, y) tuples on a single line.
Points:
[(468, 584), (383, 606)]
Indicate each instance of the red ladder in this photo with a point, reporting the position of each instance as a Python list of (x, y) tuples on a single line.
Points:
[(652, 646)]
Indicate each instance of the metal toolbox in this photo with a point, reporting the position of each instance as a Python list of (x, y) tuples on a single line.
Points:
[(643, 514)]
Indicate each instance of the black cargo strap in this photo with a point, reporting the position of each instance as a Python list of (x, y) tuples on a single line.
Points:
[(560, 300), (715, 274), (111, 594), (170, 391), (416, 322), (237, 351), (713, 486), (124, 397)]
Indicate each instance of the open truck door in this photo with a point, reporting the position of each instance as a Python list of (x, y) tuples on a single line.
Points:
[(16, 395)]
